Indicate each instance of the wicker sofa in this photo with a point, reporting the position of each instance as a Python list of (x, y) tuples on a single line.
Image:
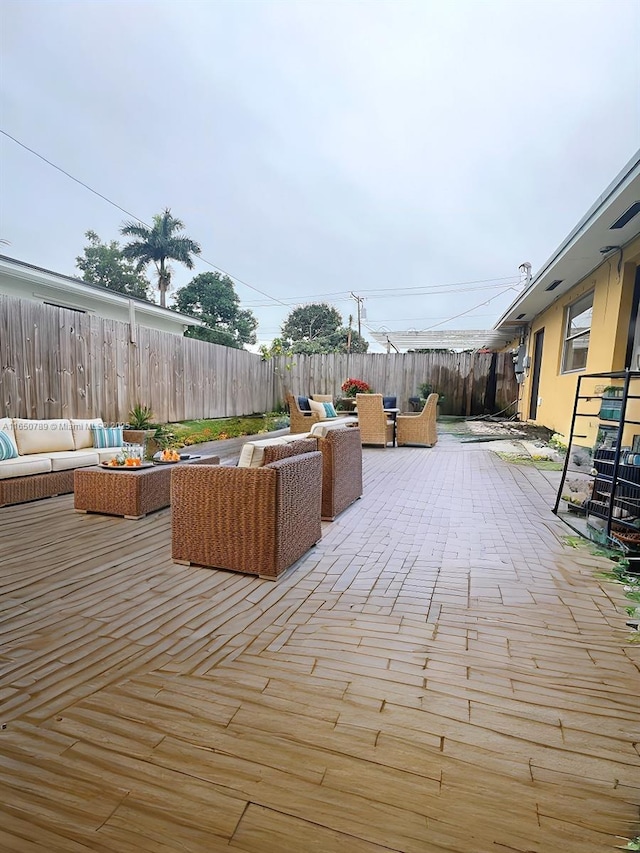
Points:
[(254, 520), (48, 453)]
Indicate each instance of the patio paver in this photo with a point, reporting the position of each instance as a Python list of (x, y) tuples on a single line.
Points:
[(441, 673)]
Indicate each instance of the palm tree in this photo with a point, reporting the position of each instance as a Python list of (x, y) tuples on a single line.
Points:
[(159, 244)]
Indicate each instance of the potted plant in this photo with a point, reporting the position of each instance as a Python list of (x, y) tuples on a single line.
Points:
[(351, 387), (424, 389), (139, 419)]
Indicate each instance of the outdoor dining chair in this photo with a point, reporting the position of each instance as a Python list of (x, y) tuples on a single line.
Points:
[(375, 427), (419, 428)]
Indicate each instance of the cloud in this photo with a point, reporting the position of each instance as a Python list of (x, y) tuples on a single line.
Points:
[(318, 148)]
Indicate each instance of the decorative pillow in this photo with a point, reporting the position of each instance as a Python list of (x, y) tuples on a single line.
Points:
[(252, 455), (329, 410), (42, 436), (318, 408), (82, 434), (104, 437), (303, 404), (8, 450)]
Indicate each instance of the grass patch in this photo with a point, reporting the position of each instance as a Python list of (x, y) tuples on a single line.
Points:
[(186, 433), (532, 461), (618, 573)]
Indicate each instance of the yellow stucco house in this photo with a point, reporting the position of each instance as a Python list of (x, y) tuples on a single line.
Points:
[(580, 313)]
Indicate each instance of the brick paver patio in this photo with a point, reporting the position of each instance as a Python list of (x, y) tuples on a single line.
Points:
[(441, 673)]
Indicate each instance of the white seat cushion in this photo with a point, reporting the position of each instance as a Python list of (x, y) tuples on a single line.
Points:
[(22, 466), (63, 460), (107, 453), (42, 436), (252, 454), (82, 434), (323, 427)]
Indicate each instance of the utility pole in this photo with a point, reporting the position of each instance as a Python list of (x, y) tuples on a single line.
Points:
[(359, 300)]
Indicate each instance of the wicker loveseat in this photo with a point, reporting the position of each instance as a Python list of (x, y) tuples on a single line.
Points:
[(301, 420), (255, 520), (47, 453)]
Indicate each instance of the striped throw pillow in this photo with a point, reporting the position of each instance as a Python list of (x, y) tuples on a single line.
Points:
[(8, 449), (330, 412), (104, 437)]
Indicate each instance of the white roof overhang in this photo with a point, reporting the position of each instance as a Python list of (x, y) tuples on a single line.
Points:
[(49, 279), (582, 251), (445, 339)]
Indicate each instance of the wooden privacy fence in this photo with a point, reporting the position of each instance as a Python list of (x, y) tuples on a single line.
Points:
[(60, 363), (55, 362), (471, 383)]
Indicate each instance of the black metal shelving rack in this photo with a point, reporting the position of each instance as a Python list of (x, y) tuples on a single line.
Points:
[(615, 498)]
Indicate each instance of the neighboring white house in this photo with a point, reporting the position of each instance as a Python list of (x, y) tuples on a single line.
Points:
[(26, 281)]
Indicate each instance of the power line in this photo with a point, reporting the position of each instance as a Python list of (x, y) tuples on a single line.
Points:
[(462, 313), (388, 294), (133, 215)]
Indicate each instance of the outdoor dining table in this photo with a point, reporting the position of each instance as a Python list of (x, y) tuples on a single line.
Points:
[(393, 414)]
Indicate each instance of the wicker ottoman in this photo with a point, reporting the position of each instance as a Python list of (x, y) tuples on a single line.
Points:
[(131, 493)]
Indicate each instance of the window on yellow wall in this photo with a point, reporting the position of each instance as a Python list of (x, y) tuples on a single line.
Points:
[(577, 332)]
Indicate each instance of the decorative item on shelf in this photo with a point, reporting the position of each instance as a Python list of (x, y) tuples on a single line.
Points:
[(575, 504), (626, 535), (611, 403)]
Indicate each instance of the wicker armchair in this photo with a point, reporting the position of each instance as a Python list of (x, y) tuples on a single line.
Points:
[(419, 428), (341, 465), (253, 520), (341, 470), (300, 421), (375, 427)]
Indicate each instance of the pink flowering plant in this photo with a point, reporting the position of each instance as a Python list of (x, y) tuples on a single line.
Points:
[(351, 387)]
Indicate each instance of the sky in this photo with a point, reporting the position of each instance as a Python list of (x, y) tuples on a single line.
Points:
[(411, 153)]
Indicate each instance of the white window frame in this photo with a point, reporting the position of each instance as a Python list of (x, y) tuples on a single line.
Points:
[(568, 338)]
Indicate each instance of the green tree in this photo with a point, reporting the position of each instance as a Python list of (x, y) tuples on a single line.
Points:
[(211, 297), (341, 339), (281, 350), (158, 245), (317, 328), (105, 264), (309, 322)]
